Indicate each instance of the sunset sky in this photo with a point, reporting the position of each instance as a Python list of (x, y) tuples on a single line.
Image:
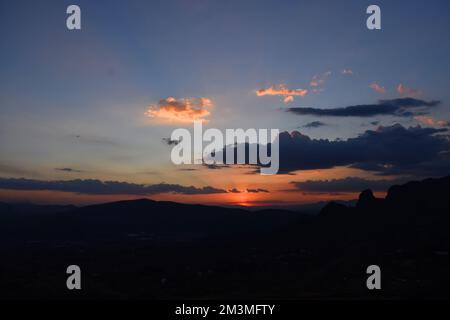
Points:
[(85, 115)]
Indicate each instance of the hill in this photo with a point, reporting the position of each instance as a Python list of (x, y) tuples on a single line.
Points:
[(146, 249)]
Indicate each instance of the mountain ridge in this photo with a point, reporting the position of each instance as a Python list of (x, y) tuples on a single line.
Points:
[(164, 250)]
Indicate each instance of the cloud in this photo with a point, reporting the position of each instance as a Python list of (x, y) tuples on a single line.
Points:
[(397, 107), (283, 91), (170, 142), (435, 167), (97, 187), (429, 121), (318, 81), (257, 190), (393, 150), (215, 166), (180, 110), (314, 124), (349, 184), (348, 72), (68, 170), (383, 150), (375, 86), (406, 91), (234, 190), (288, 99)]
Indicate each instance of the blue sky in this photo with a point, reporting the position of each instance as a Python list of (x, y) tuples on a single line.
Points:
[(77, 98)]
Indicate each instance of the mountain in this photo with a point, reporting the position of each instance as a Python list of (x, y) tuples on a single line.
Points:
[(116, 220), (416, 199), (144, 249), (4, 207)]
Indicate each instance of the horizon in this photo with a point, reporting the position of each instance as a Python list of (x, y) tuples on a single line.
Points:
[(256, 207)]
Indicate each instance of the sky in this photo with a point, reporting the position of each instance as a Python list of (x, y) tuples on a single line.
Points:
[(85, 115)]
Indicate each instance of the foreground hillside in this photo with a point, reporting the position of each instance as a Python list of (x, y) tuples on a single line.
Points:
[(146, 249)]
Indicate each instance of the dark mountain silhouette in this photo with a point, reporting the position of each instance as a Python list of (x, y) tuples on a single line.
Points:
[(4, 207), (148, 249), (119, 219)]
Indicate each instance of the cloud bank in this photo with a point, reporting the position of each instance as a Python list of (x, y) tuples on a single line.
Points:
[(97, 187), (401, 107), (387, 150), (391, 150), (68, 170), (349, 184)]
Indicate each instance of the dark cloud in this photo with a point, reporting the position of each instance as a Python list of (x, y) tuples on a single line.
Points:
[(234, 190), (170, 142), (392, 147), (349, 184), (314, 124), (68, 170), (98, 187), (438, 166), (257, 190), (149, 172), (215, 166), (402, 107)]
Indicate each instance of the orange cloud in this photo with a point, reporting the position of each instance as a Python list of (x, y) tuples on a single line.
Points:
[(429, 121), (180, 110), (319, 80), (375, 86), (406, 91), (288, 99), (283, 91)]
